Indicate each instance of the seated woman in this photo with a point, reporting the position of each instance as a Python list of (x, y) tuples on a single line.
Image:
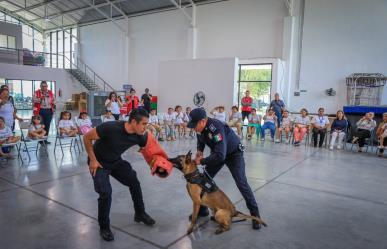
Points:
[(301, 126), (235, 120), (36, 129), (382, 135), (66, 126), (338, 130), (254, 126), (270, 121), (364, 127), (320, 124), (286, 125)]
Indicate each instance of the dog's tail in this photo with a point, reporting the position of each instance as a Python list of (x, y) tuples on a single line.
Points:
[(245, 216)]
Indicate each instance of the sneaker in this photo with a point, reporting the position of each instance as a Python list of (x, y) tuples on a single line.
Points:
[(297, 143), (144, 218), (339, 147), (161, 139), (331, 147), (277, 140), (380, 147), (106, 234), (168, 139), (262, 139), (287, 140), (360, 150)]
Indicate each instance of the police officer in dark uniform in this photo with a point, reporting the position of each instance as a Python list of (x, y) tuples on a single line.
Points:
[(226, 148)]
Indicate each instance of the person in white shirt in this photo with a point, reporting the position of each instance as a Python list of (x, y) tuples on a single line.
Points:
[(108, 117), (113, 104), (235, 120), (169, 123), (301, 126), (285, 125), (84, 123), (36, 129), (6, 135), (154, 126), (254, 126), (219, 114), (186, 119), (66, 126), (179, 122), (320, 124)]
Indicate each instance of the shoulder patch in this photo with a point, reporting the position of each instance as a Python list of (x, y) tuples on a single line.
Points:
[(218, 137), (212, 128)]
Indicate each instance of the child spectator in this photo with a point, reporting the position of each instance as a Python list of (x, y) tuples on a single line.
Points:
[(154, 125), (66, 125), (270, 121), (235, 120), (219, 114), (84, 123), (169, 123), (254, 126), (36, 129), (285, 125), (108, 117)]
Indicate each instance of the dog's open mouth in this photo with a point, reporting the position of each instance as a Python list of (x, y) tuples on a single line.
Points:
[(176, 162)]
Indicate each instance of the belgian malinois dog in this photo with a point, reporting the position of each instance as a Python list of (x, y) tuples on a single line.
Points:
[(213, 198)]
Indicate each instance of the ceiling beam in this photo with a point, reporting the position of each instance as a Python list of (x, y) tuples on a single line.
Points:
[(47, 2)]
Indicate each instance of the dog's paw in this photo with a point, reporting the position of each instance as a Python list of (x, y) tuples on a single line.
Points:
[(219, 230), (190, 229)]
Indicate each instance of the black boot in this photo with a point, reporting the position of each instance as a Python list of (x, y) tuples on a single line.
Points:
[(203, 212), (255, 224), (106, 234), (144, 218)]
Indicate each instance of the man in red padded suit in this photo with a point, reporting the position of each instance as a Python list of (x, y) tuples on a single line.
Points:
[(104, 159)]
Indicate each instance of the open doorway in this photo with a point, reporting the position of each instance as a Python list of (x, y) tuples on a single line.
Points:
[(256, 78)]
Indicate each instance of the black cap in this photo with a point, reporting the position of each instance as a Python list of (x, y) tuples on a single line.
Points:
[(196, 115)]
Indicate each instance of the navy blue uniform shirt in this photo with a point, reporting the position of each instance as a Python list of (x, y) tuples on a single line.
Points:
[(221, 139)]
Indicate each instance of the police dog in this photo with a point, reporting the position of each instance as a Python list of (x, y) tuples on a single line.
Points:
[(217, 201)]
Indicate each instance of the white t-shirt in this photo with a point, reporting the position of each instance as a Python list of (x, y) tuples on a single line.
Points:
[(5, 133), (6, 111), (221, 116), (254, 119), (114, 107), (179, 117), (66, 124), (84, 122), (320, 121), (235, 116), (302, 121), (270, 118), (108, 119), (286, 122), (32, 127), (169, 117), (153, 119), (186, 117)]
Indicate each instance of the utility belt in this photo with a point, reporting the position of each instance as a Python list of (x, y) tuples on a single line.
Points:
[(240, 148)]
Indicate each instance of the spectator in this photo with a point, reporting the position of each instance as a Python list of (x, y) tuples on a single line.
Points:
[(270, 121), (66, 126), (246, 102), (7, 109), (219, 113), (114, 104), (278, 106), (84, 123), (254, 126), (154, 125), (186, 119), (132, 101), (36, 129), (364, 127), (382, 134), (108, 117), (10, 98), (169, 123), (179, 123), (235, 120), (320, 124), (44, 105), (146, 100), (286, 125), (301, 126), (338, 130), (6, 135)]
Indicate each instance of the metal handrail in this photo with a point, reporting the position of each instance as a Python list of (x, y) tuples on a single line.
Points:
[(37, 60)]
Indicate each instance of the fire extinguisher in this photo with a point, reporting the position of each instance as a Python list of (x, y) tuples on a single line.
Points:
[(60, 92)]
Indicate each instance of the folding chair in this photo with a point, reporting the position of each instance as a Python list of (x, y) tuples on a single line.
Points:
[(65, 142), (76, 120), (29, 143)]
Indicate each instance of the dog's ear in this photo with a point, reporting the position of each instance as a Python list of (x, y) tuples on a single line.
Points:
[(188, 157)]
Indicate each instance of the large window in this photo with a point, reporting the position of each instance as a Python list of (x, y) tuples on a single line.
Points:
[(23, 90), (7, 41), (257, 79), (63, 43)]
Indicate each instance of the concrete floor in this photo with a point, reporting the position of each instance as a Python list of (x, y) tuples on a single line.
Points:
[(310, 198)]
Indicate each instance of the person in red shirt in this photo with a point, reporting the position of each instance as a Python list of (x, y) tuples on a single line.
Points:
[(132, 101), (247, 101)]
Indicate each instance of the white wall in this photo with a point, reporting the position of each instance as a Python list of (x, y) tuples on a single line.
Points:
[(63, 79), (235, 28), (180, 79), (340, 38)]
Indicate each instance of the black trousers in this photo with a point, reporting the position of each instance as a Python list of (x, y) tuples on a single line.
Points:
[(245, 114), (123, 172), (116, 116), (317, 132), (384, 144), (236, 164), (362, 135), (46, 115)]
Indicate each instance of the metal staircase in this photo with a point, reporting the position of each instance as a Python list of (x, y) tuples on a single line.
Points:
[(87, 77)]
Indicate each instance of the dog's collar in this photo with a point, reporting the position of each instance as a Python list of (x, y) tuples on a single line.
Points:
[(189, 177)]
